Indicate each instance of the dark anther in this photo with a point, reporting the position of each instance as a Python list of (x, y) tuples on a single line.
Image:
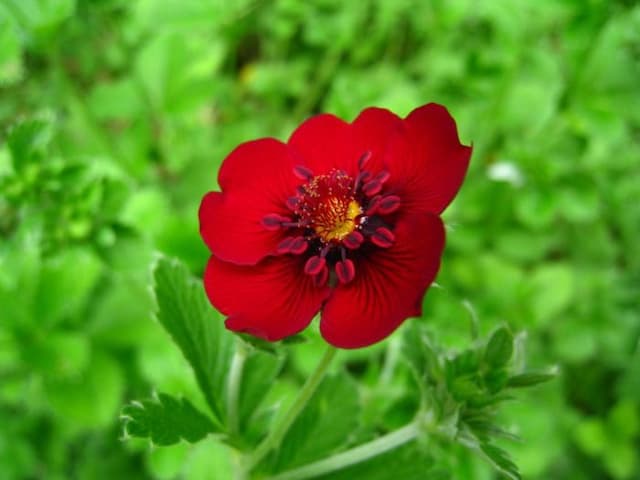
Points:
[(303, 173), (383, 237), (372, 187), (314, 265), (364, 159), (388, 204), (273, 221), (345, 271), (353, 240)]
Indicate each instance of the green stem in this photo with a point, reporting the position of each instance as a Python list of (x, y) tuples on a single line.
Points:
[(355, 455), (274, 437), (233, 387)]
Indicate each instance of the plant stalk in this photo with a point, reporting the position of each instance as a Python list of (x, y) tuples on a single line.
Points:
[(276, 435), (355, 455)]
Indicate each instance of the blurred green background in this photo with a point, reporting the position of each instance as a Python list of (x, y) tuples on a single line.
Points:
[(115, 115)]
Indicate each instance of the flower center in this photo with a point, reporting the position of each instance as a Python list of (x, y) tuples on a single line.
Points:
[(344, 222), (328, 207), (332, 216)]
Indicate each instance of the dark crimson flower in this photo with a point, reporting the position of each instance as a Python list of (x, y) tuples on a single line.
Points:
[(344, 218)]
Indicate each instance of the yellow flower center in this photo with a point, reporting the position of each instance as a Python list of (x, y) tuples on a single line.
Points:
[(335, 218)]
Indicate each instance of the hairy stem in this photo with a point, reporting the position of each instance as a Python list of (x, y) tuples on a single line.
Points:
[(355, 455), (274, 437)]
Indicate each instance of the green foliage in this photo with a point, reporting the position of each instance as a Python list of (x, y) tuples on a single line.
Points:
[(407, 462), (260, 372), (464, 391), (528, 379), (324, 426), (166, 420), (185, 313), (500, 348), (114, 119)]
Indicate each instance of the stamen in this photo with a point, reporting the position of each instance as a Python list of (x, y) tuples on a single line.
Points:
[(285, 245), (292, 203), (372, 187), (315, 265), (298, 246), (273, 221), (362, 177), (302, 172), (373, 205), (292, 224), (382, 176), (364, 159), (388, 204), (321, 278), (353, 240), (383, 237), (345, 271)]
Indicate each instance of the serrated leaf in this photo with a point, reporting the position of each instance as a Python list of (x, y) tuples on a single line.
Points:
[(196, 328), (529, 379), (166, 420), (501, 460), (499, 348), (324, 425)]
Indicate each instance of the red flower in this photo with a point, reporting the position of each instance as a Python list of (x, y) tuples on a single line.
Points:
[(342, 219)]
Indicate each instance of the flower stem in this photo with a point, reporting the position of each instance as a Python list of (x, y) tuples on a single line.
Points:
[(355, 455), (274, 437), (233, 387)]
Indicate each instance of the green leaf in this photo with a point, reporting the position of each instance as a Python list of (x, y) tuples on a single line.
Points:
[(166, 420), (553, 290), (529, 379), (90, 400), (11, 66), (196, 328), (167, 463), (260, 370), (260, 344), (27, 141), (501, 460), (271, 347), (209, 460), (324, 425), (66, 282), (591, 436), (500, 348)]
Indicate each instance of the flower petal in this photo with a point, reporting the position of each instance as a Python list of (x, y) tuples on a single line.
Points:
[(231, 227), (264, 165), (256, 179), (388, 286), (428, 163), (271, 300), (325, 142), (374, 128)]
